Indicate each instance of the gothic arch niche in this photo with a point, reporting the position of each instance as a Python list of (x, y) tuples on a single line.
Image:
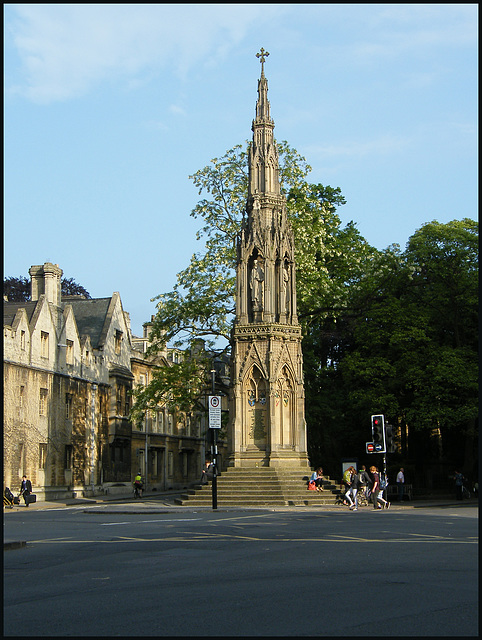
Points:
[(255, 407), (285, 407), (283, 272), (256, 280)]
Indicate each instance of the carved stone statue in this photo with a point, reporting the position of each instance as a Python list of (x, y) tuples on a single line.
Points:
[(256, 283), (284, 288)]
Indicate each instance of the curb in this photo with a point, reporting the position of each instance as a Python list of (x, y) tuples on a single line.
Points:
[(16, 544)]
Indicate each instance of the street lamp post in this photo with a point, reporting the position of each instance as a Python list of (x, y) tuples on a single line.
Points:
[(92, 441), (146, 460)]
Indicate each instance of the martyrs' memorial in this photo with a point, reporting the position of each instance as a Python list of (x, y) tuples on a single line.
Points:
[(267, 427)]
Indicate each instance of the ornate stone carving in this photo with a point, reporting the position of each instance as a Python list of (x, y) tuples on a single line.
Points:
[(267, 402)]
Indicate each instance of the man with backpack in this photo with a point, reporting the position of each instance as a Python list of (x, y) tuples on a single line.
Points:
[(364, 482), (138, 485), (383, 486)]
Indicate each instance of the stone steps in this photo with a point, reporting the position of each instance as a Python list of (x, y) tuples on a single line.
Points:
[(262, 486)]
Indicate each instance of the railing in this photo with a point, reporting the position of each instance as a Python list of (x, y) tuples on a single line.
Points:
[(392, 490)]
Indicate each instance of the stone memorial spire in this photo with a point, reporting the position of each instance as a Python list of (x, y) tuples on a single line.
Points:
[(267, 425)]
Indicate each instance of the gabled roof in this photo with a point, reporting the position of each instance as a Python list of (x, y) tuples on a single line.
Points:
[(10, 309), (90, 317)]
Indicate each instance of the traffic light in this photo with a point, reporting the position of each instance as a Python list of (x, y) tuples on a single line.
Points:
[(378, 433), (389, 439)]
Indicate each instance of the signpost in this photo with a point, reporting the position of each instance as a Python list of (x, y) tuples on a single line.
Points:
[(215, 412), (374, 447)]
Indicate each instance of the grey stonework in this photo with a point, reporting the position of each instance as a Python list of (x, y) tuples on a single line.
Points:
[(70, 365)]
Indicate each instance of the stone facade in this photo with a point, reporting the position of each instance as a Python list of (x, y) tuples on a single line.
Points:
[(70, 365), (175, 441), (267, 424)]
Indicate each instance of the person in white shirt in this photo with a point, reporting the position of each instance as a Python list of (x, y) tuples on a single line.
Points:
[(400, 483)]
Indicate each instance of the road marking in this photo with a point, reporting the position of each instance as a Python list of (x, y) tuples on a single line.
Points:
[(204, 537), (110, 524)]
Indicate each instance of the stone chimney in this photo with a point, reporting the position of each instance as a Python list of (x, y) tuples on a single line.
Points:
[(46, 279)]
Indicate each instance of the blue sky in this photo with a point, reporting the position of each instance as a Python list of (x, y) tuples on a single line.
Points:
[(109, 108)]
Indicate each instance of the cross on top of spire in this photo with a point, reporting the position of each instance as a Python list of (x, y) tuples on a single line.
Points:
[(262, 55)]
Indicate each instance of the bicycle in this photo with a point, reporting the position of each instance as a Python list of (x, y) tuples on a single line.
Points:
[(362, 498)]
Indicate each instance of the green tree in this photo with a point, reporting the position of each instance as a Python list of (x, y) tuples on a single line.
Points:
[(443, 377), (413, 349), (16, 289), (332, 264)]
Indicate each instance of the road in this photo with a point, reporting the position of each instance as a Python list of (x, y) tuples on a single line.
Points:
[(149, 571)]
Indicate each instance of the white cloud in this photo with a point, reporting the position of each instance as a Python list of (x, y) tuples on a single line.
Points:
[(393, 31), (177, 110), (65, 49)]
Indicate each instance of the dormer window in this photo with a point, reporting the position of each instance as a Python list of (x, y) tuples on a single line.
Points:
[(44, 344), (69, 356), (118, 341)]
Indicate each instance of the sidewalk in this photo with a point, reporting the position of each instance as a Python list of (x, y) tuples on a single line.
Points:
[(166, 499), (166, 496)]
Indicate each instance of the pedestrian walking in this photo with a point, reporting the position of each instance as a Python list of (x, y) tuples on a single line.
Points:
[(355, 487), (25, 489), (459, 483), (138, 485), (401, 484), (364, 482), (375, 487), (383, 484), (348, 483)]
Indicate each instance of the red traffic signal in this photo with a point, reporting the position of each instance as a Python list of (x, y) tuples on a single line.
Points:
[(378, 431)]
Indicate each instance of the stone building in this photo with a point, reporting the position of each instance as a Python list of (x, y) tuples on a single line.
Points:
[(70, 364), (267, 423), (175, 441)]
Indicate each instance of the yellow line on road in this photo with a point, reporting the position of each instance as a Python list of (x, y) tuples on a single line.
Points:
[(205, 537)]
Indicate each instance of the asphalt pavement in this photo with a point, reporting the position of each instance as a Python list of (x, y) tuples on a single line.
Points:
[(158, 502), (320, 571)]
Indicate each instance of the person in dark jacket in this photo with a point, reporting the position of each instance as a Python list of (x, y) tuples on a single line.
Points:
[(459, 483), (355, 486), (208, 472), (365, 481), (25, 489), (375, 488)]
